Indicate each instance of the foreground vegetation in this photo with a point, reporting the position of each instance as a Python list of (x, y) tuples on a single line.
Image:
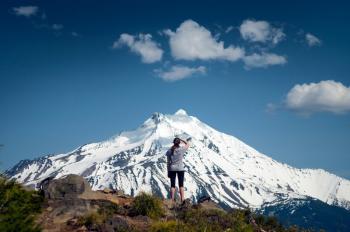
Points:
[(191, 219), (18, 207)]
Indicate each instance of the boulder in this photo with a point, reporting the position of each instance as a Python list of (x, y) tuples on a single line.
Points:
[(203, 199), (108, 191), (68, 187), (206, 203), (120, 192)]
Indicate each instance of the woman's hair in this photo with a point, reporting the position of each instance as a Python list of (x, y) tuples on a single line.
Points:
[(176, 142)]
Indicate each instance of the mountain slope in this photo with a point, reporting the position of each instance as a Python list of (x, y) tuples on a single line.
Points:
[(217, 164), (309, 213)]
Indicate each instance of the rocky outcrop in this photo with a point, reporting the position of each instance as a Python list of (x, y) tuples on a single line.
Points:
[(69, 187), (70, 198), (71, 205)]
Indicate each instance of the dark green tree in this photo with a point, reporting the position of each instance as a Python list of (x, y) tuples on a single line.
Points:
[(18, 207)]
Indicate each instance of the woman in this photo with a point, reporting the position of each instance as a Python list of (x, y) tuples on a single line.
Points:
[(175, 157)]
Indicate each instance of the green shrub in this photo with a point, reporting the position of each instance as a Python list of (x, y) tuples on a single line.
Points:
[(107, 209), (91, 219), (147, 205), (18, 207), (170, 226), (270, 223), (215, 220), (240, 221)]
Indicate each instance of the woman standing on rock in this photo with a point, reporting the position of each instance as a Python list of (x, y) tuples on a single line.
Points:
[(175, 165)]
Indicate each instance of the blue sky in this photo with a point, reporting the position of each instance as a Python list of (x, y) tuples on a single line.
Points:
[(274, 75)]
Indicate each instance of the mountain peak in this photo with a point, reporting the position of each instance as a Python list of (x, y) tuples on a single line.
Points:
[(181, 112), (157, 117), (218, 165)]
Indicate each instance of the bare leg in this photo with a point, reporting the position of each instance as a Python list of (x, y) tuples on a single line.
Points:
[(172, 194), (182, 194)]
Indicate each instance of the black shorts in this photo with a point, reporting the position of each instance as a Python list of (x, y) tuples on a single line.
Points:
[(180, 176)]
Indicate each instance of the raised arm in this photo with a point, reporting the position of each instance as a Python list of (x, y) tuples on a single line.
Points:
[(187, 143)]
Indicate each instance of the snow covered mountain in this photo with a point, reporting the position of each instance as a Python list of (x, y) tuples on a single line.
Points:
[(217, 164), (309, 213)]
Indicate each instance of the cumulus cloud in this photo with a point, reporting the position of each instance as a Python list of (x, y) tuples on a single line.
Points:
[(142, 45), (312, 40), (29, 11), (263, 60), (178, 72), (260, 31), (325, 96), (26, 11), (192, 41)]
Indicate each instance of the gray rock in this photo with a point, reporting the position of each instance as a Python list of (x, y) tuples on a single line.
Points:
[(68, 187)]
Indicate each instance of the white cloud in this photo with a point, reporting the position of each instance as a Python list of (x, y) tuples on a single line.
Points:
[(26, 11), (229, 29), (263, 60), (57, 27), (260, 31), (178, 72), (312, 40), (325, 96), (192, 41), (142, 45)]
